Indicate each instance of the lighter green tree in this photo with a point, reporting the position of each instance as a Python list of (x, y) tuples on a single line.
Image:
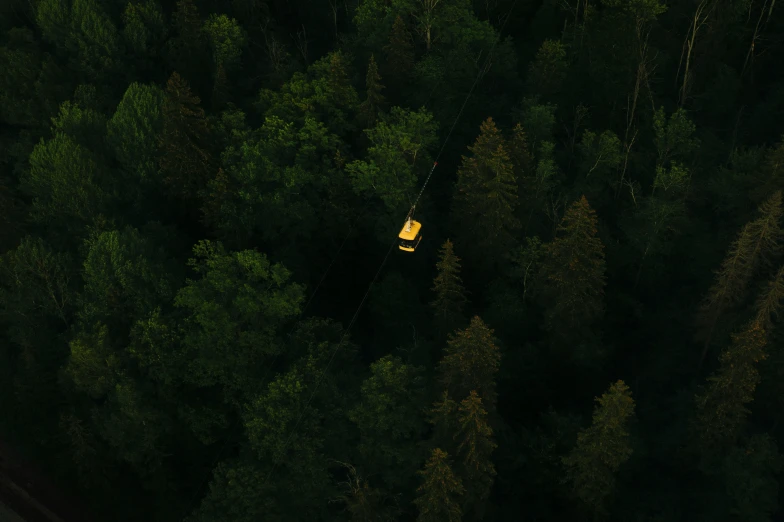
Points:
[(398, 153)]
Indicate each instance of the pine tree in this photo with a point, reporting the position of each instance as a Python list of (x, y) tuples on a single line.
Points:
[(369, 109), (184, 162), (444, 420), (439, 495), (400, 50), (187, 21), (450, 294), (573, 271), (341, 91), (220, 88), (601, 449), (471, 361), (721, 405), (364, 502), (486, 196), (768, 303), (520, 153), (188, 47), (757, 244), (475, 447)]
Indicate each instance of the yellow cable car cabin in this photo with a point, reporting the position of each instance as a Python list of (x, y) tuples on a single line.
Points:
[(410, 235)]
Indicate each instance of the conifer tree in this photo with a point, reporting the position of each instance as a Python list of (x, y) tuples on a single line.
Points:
[(369, 109), (184, 162), (220, 88), (573, 271), (769, 303), (520, 153), (486, 196), (757, 244), (364, 502), (601, 449), (188, 47), (439, 495), (721, 405), (341, 90), (471, 361), (450, 294), (444, 420), (400, 49), (474, 449)]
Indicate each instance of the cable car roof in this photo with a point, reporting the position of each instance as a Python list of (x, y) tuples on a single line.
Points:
[(410, 234)]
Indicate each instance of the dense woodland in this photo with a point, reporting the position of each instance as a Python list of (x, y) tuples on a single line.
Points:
[(203, 319)]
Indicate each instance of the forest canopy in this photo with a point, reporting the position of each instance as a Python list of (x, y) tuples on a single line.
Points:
[(202, 318)]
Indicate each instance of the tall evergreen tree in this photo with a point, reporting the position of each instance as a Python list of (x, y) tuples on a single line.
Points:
[(375, 101), (471, 361), (573, 271), (184, 161), (601, 449), (439, 495), (486, 196), (400, 49), (474, 449), (450, 294), (721, 405), (757, 245)]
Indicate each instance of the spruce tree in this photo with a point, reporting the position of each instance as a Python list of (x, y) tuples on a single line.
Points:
[(400, 50), (573, 271), (757, 245), (471, 361), (520, 153), (450, 294), (721, 404), (486, 197), (438, 498), (601, 449), (184, 161), (374, 102), (474, 449), (443, 417)]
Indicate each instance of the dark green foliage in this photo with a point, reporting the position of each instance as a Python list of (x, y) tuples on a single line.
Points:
[(592, 465), (573, 275), (450, 297), (196, 196)]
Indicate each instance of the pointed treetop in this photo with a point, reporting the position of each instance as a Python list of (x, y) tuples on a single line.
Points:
[(438, 498), (448, 287), (471, 362), (601, 449), (370, 108), (400, 49)]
